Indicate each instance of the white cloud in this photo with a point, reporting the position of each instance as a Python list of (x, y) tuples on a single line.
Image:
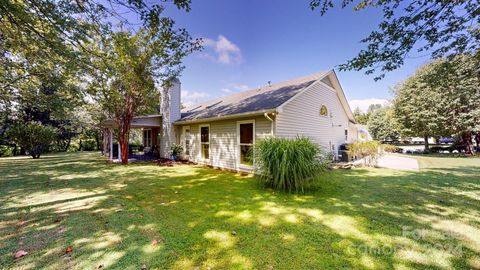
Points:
[(364, 103), (221, 50), (233, 88), (240, 87), (190, 98), (226, 90)]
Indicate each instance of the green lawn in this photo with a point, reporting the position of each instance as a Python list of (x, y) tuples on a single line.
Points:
[(203, 218)]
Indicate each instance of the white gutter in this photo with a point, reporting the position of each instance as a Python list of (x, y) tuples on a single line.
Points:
[(226, 117), (271, 121)]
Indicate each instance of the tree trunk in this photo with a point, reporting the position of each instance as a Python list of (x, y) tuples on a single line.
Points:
[(124, 120), (68, 144), (97, 141), (467, 141), (427, 146), (477, 140), (124, 134)]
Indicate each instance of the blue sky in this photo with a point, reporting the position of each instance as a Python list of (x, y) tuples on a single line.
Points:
[(248, 43)]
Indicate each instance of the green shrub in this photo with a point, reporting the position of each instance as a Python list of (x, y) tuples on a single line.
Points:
[(176, 150), (33, 137), (88, 145), (6, 151), (369, 151), (287, 164), (390, 148), (74, 146)]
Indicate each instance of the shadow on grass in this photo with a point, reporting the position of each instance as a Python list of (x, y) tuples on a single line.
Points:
[(200, 217)]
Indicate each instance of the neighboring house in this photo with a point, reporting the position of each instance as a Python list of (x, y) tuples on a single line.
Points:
[(363, 134), (222, 131)]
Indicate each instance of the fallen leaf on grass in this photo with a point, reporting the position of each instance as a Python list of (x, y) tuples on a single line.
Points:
[(99, 266), (20, 253), (69, 249)]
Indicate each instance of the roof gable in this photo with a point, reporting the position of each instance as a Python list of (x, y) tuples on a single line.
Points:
[(329, 79), (341, 95)]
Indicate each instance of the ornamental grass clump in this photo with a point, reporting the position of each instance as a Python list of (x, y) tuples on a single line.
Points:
[(289, 165)]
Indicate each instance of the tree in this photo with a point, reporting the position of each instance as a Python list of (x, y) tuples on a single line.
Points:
[(34, 137), (382, 125), (419, 108), (442, 27), (441, 99), (373, 107), (457, 80), (133, 66), (49, 99), (360, 117)]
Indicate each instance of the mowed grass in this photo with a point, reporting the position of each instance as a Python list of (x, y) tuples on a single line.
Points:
[(192, 217)]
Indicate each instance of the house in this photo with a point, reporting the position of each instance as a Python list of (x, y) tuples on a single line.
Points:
[(220, 132)]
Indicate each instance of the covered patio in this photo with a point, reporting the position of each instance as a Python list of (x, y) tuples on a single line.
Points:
[(151, 131)]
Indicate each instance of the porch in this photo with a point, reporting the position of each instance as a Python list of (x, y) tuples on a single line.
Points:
[(150, 125)]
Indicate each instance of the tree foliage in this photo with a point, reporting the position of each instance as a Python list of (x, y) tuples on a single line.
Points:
[(361, 117), (441, 99), (34, 137), (38, 36), (382, 125), (439, 26)]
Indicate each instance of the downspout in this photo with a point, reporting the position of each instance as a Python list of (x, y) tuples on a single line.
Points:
[(271, 121)]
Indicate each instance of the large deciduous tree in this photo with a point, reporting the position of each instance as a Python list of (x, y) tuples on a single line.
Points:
[(419, 109), (458, 80), (132, 67), (439, 26), (442, 99), (382, 125)]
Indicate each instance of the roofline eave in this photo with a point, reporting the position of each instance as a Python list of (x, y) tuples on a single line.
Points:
[(226, 117)]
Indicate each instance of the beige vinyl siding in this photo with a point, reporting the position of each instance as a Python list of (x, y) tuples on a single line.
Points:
[(301, 117), (352, 132), (223, 140)]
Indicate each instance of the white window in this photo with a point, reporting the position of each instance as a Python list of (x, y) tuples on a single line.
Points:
[(246, 140), (205, 142), (147, 138)]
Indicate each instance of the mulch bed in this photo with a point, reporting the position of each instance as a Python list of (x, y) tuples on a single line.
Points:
[(165, 162)]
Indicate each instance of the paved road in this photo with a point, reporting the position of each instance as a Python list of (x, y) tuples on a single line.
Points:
[(398, 163)]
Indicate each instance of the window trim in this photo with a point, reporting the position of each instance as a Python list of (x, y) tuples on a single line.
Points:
[(184, 143), (239, 163), (320, 111), (209, 142)]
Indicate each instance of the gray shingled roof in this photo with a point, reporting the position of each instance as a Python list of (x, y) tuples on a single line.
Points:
[(260, 99)]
